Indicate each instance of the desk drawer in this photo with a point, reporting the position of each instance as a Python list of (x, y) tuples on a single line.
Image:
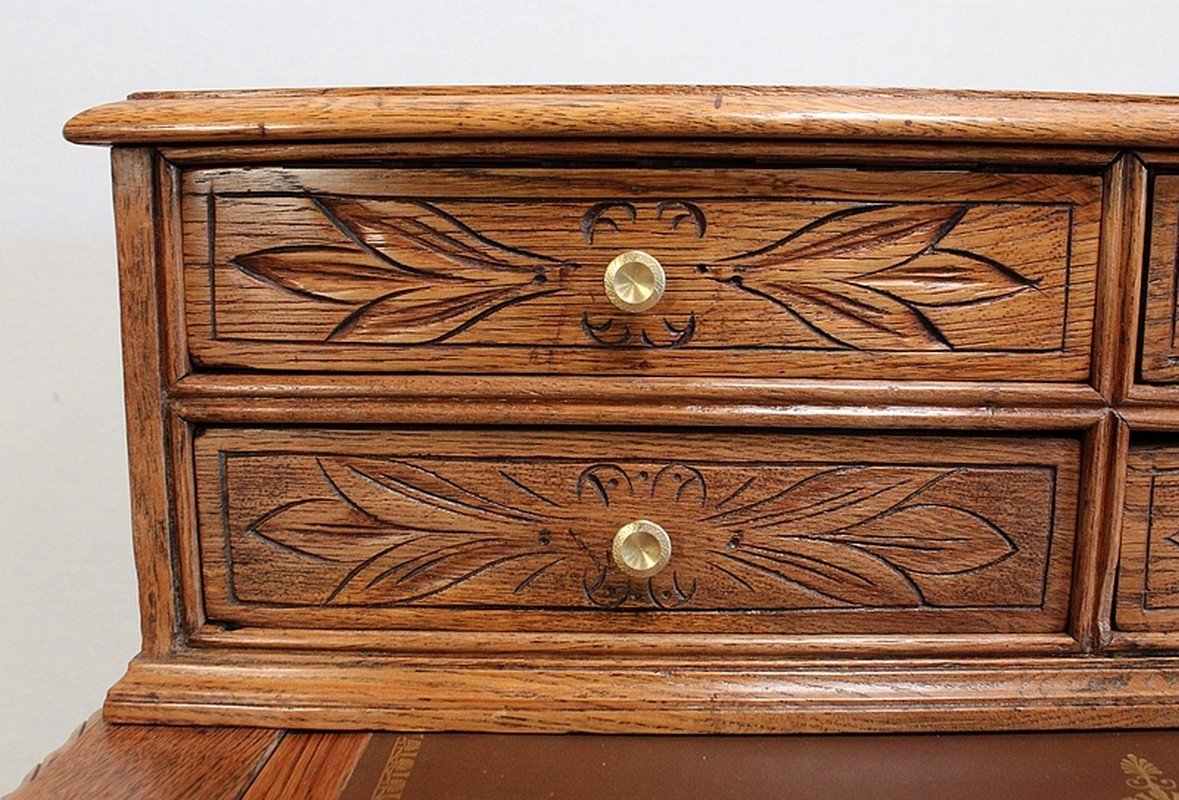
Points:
[(766, 532), (1159, 362), (768, 273), (1148, 569)]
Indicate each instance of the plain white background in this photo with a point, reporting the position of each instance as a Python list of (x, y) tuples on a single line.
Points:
[(67, 587)]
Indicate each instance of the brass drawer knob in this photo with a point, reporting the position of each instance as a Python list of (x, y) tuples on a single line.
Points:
[(641, 548), (634, 281)]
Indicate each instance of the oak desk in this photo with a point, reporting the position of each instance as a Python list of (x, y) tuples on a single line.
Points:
[(650, 409)]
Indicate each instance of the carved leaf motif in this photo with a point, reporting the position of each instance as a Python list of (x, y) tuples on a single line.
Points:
[(839, 517), (428, 316), (931, 539), (324, 528), (855, 241), (832, 570), (858, 278), (416, 498), (843, 313), (412, 532), (428, 239), (333, 273), (422, 566), (411, 272), (947, 278), (856, 536), (833, 499)]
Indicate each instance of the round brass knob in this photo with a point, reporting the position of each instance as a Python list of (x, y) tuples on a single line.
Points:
[(634, 281), (641, 548)]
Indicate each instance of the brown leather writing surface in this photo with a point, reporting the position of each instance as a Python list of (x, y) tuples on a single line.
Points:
[(105, 762)]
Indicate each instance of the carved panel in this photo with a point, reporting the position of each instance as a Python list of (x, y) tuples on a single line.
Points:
[(336, 522), (1148, 574), (788, 273), (1160, 334)]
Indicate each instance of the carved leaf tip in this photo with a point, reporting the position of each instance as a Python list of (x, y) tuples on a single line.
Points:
[(948, 278), (338, 274), (932, 539)]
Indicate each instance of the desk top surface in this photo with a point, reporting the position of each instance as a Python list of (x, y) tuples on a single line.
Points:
[(722, 112)]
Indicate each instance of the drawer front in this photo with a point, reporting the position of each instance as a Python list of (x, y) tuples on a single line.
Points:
[(785, 273), (1160, 334), (778, 532), (1148, 572)]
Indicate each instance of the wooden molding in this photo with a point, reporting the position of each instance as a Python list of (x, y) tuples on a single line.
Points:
[(632, 112)]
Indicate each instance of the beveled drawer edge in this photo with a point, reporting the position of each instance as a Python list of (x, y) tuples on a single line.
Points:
[(1156, 641), (602, 150), (704, 647)]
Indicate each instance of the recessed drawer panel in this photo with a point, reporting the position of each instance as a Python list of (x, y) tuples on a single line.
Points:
[(1160, 334), (1148, 574), (785, 273), (501, 530)]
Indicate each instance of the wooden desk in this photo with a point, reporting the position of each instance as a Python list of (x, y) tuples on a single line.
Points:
[(650, 409)]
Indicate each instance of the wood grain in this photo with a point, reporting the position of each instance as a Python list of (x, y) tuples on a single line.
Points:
[(1123, 242), (377, 403), (846, 153), (676, 111), (338, 528), (565, 400), (1160, 324), (309, 766), (144, 363), (141, 763), (739, 697), (804, 273), (1148, 577)]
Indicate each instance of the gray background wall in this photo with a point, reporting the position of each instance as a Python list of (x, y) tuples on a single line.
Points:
[(67, 595)]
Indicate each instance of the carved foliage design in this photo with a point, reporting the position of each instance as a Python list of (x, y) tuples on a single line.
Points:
[(410, 272), (385, 531), (861, 277), (859, 274)]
